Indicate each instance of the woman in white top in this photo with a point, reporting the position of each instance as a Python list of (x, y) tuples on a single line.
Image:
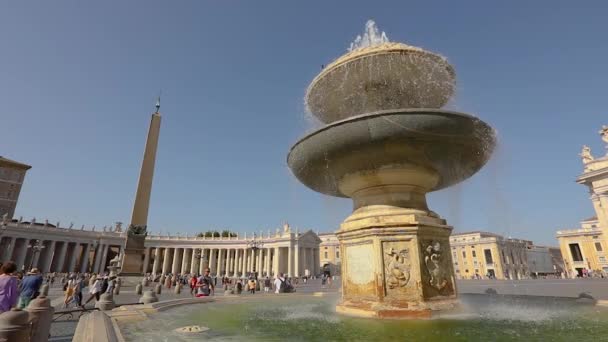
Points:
[(94, 291)]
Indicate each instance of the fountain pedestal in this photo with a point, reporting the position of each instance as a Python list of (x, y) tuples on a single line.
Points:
[(396, 265)]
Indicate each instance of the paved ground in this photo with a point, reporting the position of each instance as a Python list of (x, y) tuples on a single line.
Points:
[(63, 327), (598, 288)]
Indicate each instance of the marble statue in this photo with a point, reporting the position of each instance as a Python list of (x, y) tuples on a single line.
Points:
[(5, 219), (118, 227), (604, 133), (586, 154)]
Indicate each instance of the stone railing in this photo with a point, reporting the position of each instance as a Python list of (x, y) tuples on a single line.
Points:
[(579, 231)]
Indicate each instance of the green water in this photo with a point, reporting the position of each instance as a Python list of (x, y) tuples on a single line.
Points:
[(299, 318)]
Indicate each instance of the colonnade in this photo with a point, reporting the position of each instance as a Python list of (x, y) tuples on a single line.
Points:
[(232, 261), (56, 255)]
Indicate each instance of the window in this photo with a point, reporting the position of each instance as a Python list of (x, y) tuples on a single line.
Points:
[(598, 246), (464, 254), (326, 254), (337, 254), (595, 237), (488, 255), (575, 251), (602, 259), (325, 247), (474, 254), (455, 256)]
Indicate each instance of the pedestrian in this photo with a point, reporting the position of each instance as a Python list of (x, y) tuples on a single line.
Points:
[(279, 284), (79, 284), (251, 286), (267, 284), (8, 286), (193, 283), (111, 284), (95, 290), (205, 285), (168, 282), (69, 291), (30, 287)]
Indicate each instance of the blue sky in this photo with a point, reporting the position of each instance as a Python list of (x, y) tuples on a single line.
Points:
[(78, 82)]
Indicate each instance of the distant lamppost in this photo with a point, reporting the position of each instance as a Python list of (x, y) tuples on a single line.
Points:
[(254, 245), (36, 248)]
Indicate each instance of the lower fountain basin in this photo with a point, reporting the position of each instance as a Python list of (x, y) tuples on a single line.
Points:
[(307, 318), (448, 146)]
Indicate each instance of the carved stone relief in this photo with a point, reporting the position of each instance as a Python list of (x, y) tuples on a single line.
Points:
[(438, 266), (397, 265)]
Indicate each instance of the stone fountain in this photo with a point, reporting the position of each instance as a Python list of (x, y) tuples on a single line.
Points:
[(385, 144)]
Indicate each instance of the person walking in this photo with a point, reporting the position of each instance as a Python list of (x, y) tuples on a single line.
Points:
[(69, 292), (94, 291), (79, 284), (205, 285), (8, 286), (267, 284), (193, 283), (30, 287), (251, 285), (278, 283)]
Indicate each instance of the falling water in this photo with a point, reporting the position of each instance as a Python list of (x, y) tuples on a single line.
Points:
[(371, 37)]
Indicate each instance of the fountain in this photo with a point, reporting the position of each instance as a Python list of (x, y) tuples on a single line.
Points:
[(387, 143)]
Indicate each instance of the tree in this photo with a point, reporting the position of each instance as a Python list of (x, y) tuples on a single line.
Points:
[(215, 233)]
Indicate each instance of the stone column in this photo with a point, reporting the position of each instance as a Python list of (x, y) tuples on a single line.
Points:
[(305, 265), (212, 262), (245, 261), (74, 257), (104, 259), (49, 259), (259, 264), (84, 264), (194, 261), (267, 262), (176, 261), (8, 253), (156, 264), (61, 259), (317, 260), (166, 261), (239, 262), (201, 262), (275, 261), (97, 257), (296, 261), (220, 263), (229, 264), (185, 259), (290, 261), (22, 253), (146, 260)]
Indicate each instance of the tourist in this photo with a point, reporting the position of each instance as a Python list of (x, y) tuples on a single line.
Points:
[(79, 284), (8, 286), (29, 288), (69, 291), (251, 285), (267, 284), (94, 290), (168, 282), (193, 283), (279, 284), (205, 285), (111, 284)]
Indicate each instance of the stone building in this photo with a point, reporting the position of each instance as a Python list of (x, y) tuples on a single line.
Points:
[(59, 249), (483, 254), (330, 254), (12, 174), (584, 248)]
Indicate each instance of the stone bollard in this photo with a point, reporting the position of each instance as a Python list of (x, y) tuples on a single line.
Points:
[(162, 280), (144, 282), (138, 289), (41, 315), (106, 302), (14, 326), (117, 289), (149, 297), (178, 288), (44, 290), (159, 288)]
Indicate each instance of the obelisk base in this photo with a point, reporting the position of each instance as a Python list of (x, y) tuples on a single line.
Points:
[(133, 260), (396, 263)]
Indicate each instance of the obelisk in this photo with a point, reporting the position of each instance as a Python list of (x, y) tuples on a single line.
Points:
[(136, 234)]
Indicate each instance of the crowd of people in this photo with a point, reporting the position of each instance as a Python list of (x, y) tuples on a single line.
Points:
[(18, 288)]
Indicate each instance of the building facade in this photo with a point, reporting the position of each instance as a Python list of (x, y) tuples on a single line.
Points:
[(12, 175), (329, 250), (52, 248), (482, 254), (584, 248)]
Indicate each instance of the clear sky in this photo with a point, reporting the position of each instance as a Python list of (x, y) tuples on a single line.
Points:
[(78, 82)]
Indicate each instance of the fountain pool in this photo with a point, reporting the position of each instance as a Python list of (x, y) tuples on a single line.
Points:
[(307, 318)]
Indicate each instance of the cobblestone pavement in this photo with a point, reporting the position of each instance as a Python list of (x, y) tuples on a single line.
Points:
[(63, 327)]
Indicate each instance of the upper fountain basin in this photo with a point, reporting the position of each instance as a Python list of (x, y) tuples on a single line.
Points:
[(451, 146), (380, 77)]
